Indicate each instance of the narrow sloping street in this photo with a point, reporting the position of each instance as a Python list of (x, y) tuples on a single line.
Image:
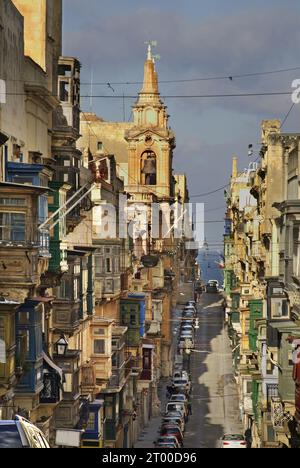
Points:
[(214, 398)]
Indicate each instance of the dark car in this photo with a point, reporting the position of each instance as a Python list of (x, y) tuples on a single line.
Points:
[(211, 288), (167, 440), (20, 433)]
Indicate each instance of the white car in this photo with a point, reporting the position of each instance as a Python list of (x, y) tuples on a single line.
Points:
[(192, 303), (233, 441), (177, 406), (186, 342), (183, 382), (180, 375)]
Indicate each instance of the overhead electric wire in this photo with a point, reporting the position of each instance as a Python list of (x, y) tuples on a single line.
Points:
[(165, 96), (200, 195), (288, 114), (230, 77)]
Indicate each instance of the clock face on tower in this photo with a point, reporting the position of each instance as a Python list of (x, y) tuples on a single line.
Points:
[(151, 117)]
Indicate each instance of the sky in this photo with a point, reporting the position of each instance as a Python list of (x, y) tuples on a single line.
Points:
[(196, 39)]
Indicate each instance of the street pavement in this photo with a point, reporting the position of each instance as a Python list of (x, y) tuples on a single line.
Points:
[(214, 397)]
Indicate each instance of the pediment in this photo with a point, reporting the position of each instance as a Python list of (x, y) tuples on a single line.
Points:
[(137, 133)]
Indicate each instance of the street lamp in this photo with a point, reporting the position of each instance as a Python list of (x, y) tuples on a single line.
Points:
[(61, 346)]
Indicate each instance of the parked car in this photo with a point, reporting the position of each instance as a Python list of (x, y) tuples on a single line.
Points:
[(192, 303), (214, 282), (174, 420), (233, 441), (180, 397), (187, 327), (173, 431), (178, 407), (172, 440), (187, 321), (211, 289), (20, 433), (186, 343), (174, 414), (183, 382), (180, 374), (188, 314), (191, 307), (187, 332), (167, 445)]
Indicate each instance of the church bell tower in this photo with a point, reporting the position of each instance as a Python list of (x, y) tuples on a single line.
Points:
[(150, 141)]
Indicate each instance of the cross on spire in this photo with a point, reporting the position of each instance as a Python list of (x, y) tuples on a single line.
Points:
[(150, 44)]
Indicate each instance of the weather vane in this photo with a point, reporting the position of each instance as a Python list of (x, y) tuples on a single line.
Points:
[(150, 45)]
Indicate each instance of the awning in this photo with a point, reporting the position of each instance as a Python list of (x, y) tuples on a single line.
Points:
[(77, 253), (286, 325), (25, 187), (53, 365)]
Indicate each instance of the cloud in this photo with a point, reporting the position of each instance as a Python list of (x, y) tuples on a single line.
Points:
[(251, 39)]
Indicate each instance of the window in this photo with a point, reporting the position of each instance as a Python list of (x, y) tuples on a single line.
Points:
[(99, 265), (108, 265), (64, 91), (10, 437), (12, 201), (132, 319), (12, 227), (249, 387), (99, 146), (65, 289), (109, 286), (109, 413), (99, 347), (76, 288), (91, 422), (117, 264), (296, 251), (20, 179), (114, 360), (68, 384), (279, 308)]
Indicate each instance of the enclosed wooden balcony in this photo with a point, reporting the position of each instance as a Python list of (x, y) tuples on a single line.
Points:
[(66, 315)]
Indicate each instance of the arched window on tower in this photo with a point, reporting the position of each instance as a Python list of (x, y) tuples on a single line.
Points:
[(149, 168)]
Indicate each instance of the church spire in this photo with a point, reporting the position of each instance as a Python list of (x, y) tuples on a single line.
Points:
[(150, 83)]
